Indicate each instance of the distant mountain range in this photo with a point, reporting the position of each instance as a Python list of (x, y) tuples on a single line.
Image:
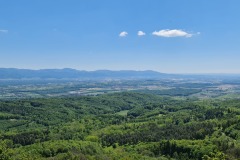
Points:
[(67, 73)]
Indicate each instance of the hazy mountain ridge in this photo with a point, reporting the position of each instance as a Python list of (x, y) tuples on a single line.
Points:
[(67, 73)]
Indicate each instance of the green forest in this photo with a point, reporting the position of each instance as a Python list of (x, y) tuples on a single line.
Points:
[(120, 126)]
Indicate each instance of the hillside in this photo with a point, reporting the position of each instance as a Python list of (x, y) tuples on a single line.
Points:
[(119, 126)]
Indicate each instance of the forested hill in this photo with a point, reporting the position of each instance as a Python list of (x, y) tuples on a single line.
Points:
[(67, 73), (119, 126)]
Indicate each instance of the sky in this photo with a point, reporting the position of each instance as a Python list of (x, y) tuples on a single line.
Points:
[(170, 36)]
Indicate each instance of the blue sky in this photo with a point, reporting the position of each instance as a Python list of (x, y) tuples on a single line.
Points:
[(177, 36)]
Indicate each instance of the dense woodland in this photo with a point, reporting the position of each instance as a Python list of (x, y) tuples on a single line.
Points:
[(117, 126)]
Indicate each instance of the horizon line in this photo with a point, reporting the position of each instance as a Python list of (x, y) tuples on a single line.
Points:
[(181, 73)]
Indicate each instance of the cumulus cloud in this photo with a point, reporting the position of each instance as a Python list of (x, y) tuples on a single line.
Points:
[(3, 31), (123, 34), (141, 33), (172, 33)]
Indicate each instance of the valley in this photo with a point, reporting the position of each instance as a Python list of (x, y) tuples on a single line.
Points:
[(120, 119)]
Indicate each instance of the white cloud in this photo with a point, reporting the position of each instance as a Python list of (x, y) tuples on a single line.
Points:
[(141, 33), (3, 31), (123, 34), (172, 33)]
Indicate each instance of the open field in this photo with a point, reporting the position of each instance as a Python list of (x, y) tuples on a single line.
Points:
[(169, 87)]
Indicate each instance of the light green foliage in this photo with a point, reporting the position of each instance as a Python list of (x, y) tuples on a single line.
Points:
[(125, 125)]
